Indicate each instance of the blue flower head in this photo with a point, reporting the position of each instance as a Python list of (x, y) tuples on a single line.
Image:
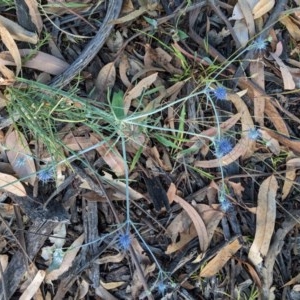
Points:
[(253, 134), (161, 287), (124, 241), (259, 44), (225, 204), (220, 93), (222, 146), (45, 175)]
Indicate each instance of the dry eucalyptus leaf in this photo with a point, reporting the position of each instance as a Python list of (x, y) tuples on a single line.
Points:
[(110, 155), (195, 217), (12, 47), (32, 289), (137, 90), (17, 32), (262, 7), (291, 166), (106, 77), (20, 157), (292, 27), (219, 261), (11, 184), (67, 260), (265, 220), (35, 14)]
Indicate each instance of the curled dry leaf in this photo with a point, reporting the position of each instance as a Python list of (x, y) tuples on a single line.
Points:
[(246, 120), (286, 75), (219, 261), (12, 47), (246, 9), (112, 285), (17, 32), (258, 76), (284, 140), (195, 217), (291, 26), (138, 90), (67, 260), (106, 77), (35, 14), (271, 143), (265, 220), (11, 184), (44, 62), (123, 68), (239, 150), (262, 7), (291, 166), (32, 289), (110, 155), (20, 156)]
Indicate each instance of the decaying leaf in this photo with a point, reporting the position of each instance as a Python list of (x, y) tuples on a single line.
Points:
[(111, 156), (265, 220), (258, 76), (246, 120), (291, 166), (12, 47), (123, 68), (20, 157), (195, 217), (262, 7), (11, 184), (106, 77), (138, 89), (112, 285), (35, 14), (17, 32), (239, 150), (67, 260), (32, 289), (287, 77), (39, 61), (219, 261), (291, 26)]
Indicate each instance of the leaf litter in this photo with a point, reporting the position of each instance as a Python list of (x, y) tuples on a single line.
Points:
[(203, 111)]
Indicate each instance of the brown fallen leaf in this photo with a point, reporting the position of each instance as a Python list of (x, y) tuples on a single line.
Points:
[(106, 78), (40, 61), (195, 217), (11, 184), (265, 220), (123, 68), (291, 26), (262, 7), (291, 166), (12, 47), (284, 140), (137, 90), (17, 32), (239, 150), (258, 76), (246, 120), (35, 14), (110, 155), (20, 156), (219, 261), (288, 81), (112, 285), (67, 260), (32, 289)]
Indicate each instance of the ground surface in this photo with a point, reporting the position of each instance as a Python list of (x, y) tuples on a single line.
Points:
[(149, 150)]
